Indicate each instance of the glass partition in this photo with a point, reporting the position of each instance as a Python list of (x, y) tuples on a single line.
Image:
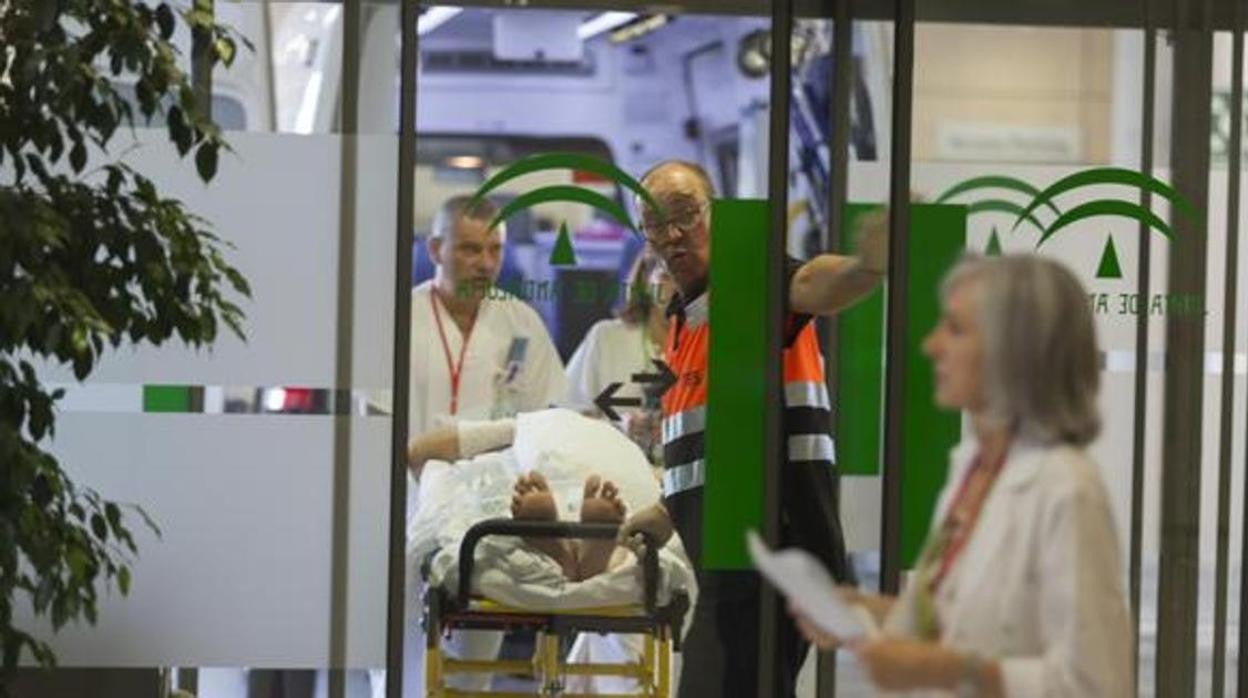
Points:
[(268, 462)]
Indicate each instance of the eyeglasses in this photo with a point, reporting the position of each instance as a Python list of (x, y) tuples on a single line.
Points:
[(684, 220)]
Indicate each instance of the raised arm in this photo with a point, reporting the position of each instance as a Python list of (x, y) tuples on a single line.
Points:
[(829, 283)]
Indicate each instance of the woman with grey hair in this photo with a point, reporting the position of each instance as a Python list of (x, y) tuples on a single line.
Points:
[(1018, 589)]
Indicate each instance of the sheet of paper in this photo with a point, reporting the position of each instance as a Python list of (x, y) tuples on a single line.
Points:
[(809, 587)]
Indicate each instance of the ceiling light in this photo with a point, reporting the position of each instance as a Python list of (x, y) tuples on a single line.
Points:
[(436, 17), (641, 27), (466, 162), (603, 22), (330, 17)]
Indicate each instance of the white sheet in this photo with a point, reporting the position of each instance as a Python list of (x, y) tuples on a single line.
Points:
[(566, 448), (508, 571)]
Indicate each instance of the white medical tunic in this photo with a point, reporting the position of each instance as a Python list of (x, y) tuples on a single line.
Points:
[(510, 364), (612, 352)]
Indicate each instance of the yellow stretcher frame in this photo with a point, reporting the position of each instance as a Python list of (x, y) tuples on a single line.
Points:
[(446, 611)]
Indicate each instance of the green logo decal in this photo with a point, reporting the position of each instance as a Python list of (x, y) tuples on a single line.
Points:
[(1044, 202), (563, 253), (998, 205), (1109, 267), (1109, 207), (994, 244)]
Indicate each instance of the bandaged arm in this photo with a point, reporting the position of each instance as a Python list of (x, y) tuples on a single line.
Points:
[(463, 440)]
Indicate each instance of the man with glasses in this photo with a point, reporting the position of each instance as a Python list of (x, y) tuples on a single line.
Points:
[(721, 651)]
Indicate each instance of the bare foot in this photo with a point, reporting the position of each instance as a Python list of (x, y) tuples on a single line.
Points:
[(601, 504), (531, 500)]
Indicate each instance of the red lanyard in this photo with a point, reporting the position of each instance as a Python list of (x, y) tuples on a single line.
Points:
[(456, 370), (957, 538)]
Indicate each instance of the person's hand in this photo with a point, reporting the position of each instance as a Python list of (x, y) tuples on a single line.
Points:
[(812, 633), (653, 520), (898, 664), (440, 444)]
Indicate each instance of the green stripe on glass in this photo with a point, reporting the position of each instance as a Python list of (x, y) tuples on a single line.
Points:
[(859, 404), (732, 498), (166, 398), (939, 238)]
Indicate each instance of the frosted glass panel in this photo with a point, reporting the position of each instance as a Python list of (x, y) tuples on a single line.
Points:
[(241, 576), (276, 200), (375, 231)]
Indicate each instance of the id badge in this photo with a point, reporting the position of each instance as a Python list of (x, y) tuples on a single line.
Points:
[(507, 383)]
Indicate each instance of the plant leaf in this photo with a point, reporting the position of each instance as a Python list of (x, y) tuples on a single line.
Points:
[(206, 160), (78, 156), (226, 50), (99, 527), (179, 133), (164, 19)]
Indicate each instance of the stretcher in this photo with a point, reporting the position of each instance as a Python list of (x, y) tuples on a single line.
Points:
[(456, 605)]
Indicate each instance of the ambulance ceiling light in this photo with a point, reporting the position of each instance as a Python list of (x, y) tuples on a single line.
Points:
[(603, 22), (466, 162), (639, 28)]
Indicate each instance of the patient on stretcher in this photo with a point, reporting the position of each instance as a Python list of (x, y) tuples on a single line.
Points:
[(532, 497), (548, 465)]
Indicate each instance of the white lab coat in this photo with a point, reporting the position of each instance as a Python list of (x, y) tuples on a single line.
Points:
[(612, 352), (485, 391), (1038, 586)]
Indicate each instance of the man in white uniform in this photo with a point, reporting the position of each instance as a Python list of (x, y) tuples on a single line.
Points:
[(476, 353)]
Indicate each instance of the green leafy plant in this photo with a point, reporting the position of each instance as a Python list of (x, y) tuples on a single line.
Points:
[(90, 258)]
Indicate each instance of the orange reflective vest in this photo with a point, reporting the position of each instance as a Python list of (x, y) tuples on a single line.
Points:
[(808, 489)]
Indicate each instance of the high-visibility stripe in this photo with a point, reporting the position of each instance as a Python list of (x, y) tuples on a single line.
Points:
[(684, 477), (807, 394), (691, 421), (808, 447), (796, 395), (684, 427), (803, 447)]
